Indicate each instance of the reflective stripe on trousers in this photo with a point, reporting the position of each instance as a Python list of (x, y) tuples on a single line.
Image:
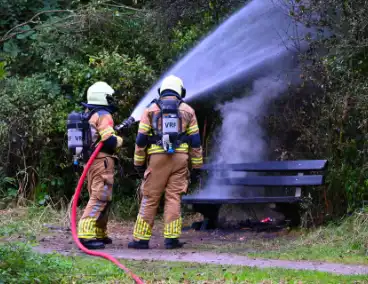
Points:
[(93, 223), (165, 174)]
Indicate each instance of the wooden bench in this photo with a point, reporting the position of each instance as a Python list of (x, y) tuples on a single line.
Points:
[(287, 176)]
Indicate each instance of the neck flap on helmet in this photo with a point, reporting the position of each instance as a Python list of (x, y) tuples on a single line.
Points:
[(110, 108), (170, 93)]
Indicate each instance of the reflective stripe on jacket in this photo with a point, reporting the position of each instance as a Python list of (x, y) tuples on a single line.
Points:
[(189, 125), (102, 129)]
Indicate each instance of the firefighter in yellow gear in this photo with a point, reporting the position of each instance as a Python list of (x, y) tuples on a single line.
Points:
[(92, 227), (168, 141)]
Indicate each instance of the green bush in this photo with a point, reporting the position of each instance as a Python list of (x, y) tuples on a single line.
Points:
[(33, 116), (46, 66), (21, 265), (327, 117)]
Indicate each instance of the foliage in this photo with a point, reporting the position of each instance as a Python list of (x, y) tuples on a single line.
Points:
[(130, 77), (33, 112), (8, 187), (51, 52), (22, 265), (326, 117)]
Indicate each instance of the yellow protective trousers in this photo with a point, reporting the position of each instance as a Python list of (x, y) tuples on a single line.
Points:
[(165, 174), (100, 178)]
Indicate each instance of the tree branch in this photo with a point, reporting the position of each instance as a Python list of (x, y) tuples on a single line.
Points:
[(123, 6), (10, 34)]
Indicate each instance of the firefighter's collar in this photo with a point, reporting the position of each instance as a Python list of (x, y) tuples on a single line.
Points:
[(110, 108)]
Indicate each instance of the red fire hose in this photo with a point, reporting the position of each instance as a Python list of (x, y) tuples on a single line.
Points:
[(74, 222)]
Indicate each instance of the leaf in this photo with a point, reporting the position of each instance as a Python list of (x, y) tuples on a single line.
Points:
[(26, 32), (11, 47), (25, 28), (60, 182), (25, 35), (9, 180), (12, 192), (34, 36)]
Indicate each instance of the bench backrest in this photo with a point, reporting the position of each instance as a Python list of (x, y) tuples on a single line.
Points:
[(301, 167), (272, 166)]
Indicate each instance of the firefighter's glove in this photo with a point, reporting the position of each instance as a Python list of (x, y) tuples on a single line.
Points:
[(140, 170), (119, 141), (195, 174)]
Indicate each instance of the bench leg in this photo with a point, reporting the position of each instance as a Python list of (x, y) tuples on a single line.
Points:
[(291, 212), (210, 214)]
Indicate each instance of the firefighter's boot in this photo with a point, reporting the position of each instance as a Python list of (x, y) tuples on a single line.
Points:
[(106, 240), (92, 244), (173, 243), (141, 244)]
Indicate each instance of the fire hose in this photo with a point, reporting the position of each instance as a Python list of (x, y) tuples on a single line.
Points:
[(74, 222)]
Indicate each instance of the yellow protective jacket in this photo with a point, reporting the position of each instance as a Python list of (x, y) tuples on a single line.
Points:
[(102, 127), (189, 124)]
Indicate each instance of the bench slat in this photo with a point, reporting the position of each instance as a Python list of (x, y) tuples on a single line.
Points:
[(280, 199), (272, 166), (274, 180)]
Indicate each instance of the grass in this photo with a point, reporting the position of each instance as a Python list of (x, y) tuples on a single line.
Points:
[(19, 264), (29, 222), (346, 242), (343, 242)]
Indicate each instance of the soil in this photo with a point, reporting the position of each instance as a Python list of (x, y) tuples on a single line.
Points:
[(59, 239)]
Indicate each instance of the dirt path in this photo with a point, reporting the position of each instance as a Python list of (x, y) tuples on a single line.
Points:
[(236, 242), (221, 259)]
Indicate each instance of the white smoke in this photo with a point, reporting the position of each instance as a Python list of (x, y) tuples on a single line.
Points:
[(241, 138), (241, 133)]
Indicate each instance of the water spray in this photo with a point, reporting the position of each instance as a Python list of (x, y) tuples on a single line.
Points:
[(245, 47)]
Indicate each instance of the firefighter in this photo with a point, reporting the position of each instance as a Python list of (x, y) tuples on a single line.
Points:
[(92, 227), (168, 141)]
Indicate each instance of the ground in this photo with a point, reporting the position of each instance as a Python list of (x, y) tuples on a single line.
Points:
[(59, 238), (48, 232)]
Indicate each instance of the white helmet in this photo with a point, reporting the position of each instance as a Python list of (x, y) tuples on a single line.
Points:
[(173, 83), (96, 94)]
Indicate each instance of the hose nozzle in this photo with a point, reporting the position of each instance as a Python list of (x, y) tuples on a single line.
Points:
[(125, 124)]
